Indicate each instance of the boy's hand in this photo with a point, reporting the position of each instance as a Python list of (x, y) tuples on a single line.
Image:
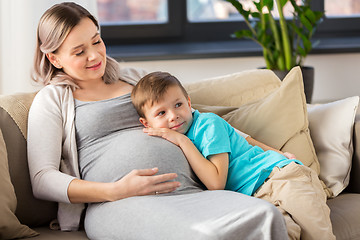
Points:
[(289, 155), (168, 134)]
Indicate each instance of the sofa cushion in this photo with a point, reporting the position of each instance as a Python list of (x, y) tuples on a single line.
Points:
[(344, 214), (218, 110), (13, 122), (48, 234), (234, 89), (354, 184), (280, 120), (10, 227), (331, 129)]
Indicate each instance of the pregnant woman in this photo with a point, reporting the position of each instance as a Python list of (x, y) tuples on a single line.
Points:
[(86, 145)]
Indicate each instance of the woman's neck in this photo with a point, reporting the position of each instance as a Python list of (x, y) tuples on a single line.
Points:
[(99, 90)]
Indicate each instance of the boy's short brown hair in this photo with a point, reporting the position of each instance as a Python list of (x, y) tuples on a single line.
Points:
[(151, 89)]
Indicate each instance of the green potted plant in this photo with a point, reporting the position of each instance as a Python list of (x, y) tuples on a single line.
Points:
[(285, 42)]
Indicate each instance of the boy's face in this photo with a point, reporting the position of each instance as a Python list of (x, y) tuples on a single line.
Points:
[(173, 111)]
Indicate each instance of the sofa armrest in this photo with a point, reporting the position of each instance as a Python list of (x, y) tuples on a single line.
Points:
[(354, 185)]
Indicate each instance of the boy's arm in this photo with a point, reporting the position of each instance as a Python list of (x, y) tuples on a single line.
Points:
[(265, 147), (213, 173)]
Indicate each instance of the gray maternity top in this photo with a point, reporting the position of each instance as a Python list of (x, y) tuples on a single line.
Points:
[(111, 143)]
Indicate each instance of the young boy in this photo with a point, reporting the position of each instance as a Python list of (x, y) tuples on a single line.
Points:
[(222, 159)]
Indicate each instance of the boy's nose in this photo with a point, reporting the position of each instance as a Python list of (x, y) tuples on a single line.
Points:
[(173, 115)]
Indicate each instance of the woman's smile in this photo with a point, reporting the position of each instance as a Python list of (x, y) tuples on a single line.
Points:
[(95, 67)]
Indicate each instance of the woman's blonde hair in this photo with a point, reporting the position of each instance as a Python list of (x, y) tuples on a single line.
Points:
[(54, 26)]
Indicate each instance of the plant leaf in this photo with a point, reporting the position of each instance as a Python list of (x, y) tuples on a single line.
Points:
[(282, 3), (295, 6), (301, 51), (307, 44), (269, 4), (310, 15), (255, 15), (306, 23), (318, 15), (243, 34), (284, 43), (240, 8), (258, 6)]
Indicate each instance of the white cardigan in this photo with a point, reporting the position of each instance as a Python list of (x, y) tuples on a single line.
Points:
[(52, 147)]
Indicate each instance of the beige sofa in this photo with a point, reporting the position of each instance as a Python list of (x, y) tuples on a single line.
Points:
[(254, 101)]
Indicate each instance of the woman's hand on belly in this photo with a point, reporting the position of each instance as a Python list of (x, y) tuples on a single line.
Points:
[(143, 182), (136, 183)]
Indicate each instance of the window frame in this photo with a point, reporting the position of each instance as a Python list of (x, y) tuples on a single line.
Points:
[(136, 33), (333, 26), (180, 31)]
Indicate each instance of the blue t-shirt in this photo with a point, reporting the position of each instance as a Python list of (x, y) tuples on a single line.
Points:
[(249, 166)]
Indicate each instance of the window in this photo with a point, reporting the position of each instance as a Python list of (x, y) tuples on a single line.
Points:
[(124, 12), (198, 11), (132, 20), (191, 21), (344, 8), (342, 18)]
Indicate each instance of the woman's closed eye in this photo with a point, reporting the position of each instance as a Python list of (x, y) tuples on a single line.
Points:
[(79, 53), (82, 51)]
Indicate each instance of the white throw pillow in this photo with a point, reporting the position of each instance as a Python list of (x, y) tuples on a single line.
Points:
[(331, 129)]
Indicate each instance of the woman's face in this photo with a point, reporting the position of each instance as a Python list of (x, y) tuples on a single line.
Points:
[(82, 55)]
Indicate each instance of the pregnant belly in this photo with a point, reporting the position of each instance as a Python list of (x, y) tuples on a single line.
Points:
[(111, 158)]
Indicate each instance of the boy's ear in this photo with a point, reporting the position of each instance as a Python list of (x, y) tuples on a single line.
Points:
[(144, 122), (189, 101)]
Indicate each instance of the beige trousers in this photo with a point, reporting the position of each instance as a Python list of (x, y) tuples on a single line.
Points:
[(298, 194)]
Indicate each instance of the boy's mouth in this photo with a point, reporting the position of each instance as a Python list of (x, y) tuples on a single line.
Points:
[(177, 126)]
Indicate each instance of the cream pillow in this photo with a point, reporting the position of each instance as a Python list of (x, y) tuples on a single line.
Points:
[(234, 89), (280, 120), (10, 227), (331, 129), (218, 110)]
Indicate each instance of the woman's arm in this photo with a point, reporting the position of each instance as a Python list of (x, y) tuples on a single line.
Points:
[(136, 183), (44, 147), (213, 173)]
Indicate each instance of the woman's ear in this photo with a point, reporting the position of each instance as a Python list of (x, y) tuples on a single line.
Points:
[(144, 122), (54, 60)]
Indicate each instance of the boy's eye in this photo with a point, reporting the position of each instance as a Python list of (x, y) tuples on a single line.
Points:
[(161, 113), (178, 105)]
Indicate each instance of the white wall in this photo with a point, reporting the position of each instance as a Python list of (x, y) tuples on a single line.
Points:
[(18, 23), (336, 75)]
